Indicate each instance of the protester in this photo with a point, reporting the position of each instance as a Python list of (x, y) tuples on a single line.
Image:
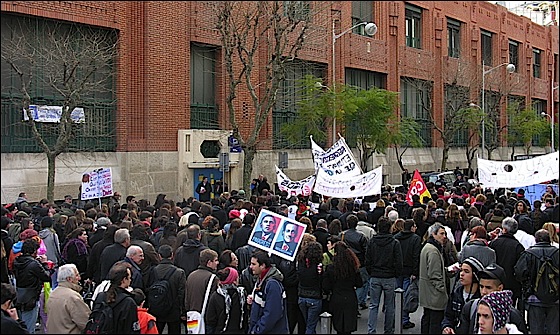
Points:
[(341, 279), (494, 311), (226, 307), (268, 305), (432, 288), (68, 313), (11, 323)]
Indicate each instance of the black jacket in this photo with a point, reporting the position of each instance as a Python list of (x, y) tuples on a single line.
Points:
[(322, 235), (357, 242), (384, 257), (177, 282), (241, 237), (187, 256), (11, 326), (125, 315), (525, 223), (508, 250), (94, 260), (30, 273), (455, 306), (109, 256), (528, 265), (411, 245)]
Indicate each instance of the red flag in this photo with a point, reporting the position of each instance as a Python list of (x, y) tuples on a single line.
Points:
[(417, 186)]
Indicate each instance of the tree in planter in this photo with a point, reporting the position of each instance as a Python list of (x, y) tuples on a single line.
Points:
[(257, 36), (68, 65)]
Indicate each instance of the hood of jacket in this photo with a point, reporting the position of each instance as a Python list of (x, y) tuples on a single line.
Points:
[(273, 273), (191, 245), (44, 233), (383, 239), (403, 235), (22, 261)]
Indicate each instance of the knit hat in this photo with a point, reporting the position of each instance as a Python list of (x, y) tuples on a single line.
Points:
[(475, 265), (241, 193), (28, 233), (232, 276), (234, 213), (22, 214), (500, 303)]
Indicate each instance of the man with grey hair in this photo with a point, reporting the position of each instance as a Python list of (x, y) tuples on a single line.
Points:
[(508, 250), (432, 289), (393, 215), (68, 313), (115, 252), (542, 305), (135, 256)]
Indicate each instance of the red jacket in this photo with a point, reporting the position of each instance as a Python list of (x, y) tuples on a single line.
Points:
[(147, 322)]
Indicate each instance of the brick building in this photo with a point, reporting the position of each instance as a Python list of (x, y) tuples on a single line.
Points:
[(160, 119)]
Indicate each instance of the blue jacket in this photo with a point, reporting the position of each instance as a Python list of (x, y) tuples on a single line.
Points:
[(268, 311)]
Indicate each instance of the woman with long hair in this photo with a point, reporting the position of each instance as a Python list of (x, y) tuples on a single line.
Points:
[(521, 215), (309, 269), (341, 279), (552, 232), (76, 250), (118, 296)]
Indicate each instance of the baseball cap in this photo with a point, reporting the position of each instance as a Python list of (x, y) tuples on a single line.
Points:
[(493, 271)]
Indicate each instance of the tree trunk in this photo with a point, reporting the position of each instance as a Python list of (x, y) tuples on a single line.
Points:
[(249, 155), (51, 161), (444, 158)]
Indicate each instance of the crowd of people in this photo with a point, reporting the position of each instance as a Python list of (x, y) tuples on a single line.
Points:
[(481, 261)]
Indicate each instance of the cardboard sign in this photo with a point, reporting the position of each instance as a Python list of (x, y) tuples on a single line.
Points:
[(277, 234), (97, 184)]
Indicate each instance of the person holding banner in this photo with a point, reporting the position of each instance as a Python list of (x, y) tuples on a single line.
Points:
[(268, 227)]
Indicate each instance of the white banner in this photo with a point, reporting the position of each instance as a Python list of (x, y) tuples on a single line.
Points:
[(507, 174), (338, 160), (363, 185), (97, 184), (52, 114), (303, 187)]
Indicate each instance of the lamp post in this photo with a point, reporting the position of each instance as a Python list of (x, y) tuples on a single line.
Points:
[(551, 129), (510, 68), (370, 29)]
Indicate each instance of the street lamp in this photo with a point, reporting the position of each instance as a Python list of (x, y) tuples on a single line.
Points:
[(370, 29), (551, 128), (510, 68)]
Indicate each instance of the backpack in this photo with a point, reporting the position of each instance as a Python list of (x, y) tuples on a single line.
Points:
[(160, 298), (100, 319), (547, 278)]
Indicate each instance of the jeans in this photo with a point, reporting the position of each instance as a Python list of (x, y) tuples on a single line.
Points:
[(403, 282), (311, 308), (377, 286), (362, 292), (30, 318), (543, 320)]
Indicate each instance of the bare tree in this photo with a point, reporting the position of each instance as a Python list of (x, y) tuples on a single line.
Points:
[(258, 39), (69, 62)]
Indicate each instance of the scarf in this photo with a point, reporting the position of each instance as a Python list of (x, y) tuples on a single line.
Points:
[(223, 290), (81, 248)]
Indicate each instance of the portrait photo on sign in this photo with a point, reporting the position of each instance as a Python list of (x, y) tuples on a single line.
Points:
[(265, 229), (288, 239)]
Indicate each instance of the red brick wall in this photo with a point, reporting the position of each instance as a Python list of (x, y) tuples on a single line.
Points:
[(153, 86)]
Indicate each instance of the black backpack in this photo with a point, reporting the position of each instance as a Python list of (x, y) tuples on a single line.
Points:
[(547, 278), (100, 319), (160, 298)]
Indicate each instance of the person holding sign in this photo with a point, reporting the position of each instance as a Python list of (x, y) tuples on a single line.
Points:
[(289, 244), (204, 189), (268, 227)]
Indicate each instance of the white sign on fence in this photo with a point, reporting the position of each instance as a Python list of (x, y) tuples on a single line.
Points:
[(52, 114)]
